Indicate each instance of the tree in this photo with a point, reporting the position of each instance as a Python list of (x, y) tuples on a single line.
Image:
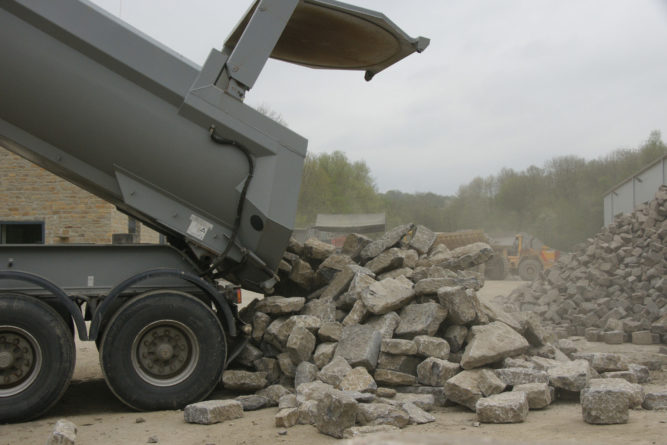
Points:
[(333, 184)]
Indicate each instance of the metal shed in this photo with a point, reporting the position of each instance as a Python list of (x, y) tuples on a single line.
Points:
[(634, 191)]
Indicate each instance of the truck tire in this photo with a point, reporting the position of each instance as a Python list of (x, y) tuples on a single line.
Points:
[(163, 350), (496, 268), (529, 269), (37, 357)]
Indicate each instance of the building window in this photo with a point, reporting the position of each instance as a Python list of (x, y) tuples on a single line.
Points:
[(22, 232)]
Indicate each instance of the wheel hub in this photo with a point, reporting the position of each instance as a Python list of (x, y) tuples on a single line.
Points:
[(20, 360), (165, 353), (6, 359)]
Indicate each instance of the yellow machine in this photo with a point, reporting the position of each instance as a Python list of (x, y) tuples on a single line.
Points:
[(527, 256)]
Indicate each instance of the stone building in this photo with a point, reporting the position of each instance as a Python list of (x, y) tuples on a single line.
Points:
[(38, 207)]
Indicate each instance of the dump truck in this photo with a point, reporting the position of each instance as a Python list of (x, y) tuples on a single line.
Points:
[(173, 145)]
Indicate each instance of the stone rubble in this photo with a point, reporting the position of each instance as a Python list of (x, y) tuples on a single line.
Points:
[(373, 337), (612, 287), (64, 433), (213, 411)]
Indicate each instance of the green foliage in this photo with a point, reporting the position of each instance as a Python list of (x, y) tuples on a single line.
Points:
[(333, 184), (560, 203)]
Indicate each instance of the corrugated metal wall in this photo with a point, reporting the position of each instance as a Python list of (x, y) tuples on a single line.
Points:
[(636, 190)]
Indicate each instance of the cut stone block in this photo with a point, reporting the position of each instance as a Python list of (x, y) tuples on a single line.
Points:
[(324, 310), (604, 361), (334, 372), (248, 355), (642, 338), (331, 266), (424, 401), (382, 414), (260, 321), (460, 305), (305, 372), (613, 338), (358, 379), (393, 378), (538, 394), (307, 412), (570, 376), (324, 353), (520, 376), (312, 391), (436, 372), (655, 400), (213, 411), (317, 250), (356, 314), (641, 372), (467, 387), (330, 332), (491, 343), (353, 244), (64, 433), (420, 319), (389, 239), (360, 346), (253, 402), (386, 324), (401, 363), (428, 346), (633, 391), (280, 305), (286, 364), (287, 417), (604, 406), (273, 393), (416, 415), (438, 393), (386, 393), (393, 258), (422, 240), (508, 407), (456, 336), (360, 431), (398, 346), (388, 295), (300, 345), (628, 376), (335, 413), (243, 381)]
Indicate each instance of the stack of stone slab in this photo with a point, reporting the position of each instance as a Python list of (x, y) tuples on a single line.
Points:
[(613, 288), (377, 335)]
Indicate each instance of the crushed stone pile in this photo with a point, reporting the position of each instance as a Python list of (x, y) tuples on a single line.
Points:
[(613, 288), (375, 336)]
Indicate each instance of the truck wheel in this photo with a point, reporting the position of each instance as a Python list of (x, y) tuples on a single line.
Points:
[(529, 269), (163, 350), (36, 357)]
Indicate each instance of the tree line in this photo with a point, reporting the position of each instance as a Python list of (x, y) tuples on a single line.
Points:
[(560, 203)]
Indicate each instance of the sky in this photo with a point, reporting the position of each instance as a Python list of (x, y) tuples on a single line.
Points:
[(503, 84)]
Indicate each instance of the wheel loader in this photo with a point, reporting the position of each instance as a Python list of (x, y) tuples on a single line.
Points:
[(527, 256)]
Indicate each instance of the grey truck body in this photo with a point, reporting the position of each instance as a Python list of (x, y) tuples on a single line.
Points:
[(169, 143)]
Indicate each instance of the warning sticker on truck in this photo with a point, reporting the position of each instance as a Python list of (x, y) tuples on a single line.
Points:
[(198, 227)]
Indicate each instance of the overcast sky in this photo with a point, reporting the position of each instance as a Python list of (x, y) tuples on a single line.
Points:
[(504, 83)]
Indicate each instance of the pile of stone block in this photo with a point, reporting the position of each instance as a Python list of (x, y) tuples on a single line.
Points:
[(613, 287), (375, 336)]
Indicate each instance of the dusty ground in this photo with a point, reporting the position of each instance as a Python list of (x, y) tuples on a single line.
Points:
[(102, 419)]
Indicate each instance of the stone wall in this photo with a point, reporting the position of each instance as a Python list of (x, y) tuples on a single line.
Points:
[(69, 214)]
